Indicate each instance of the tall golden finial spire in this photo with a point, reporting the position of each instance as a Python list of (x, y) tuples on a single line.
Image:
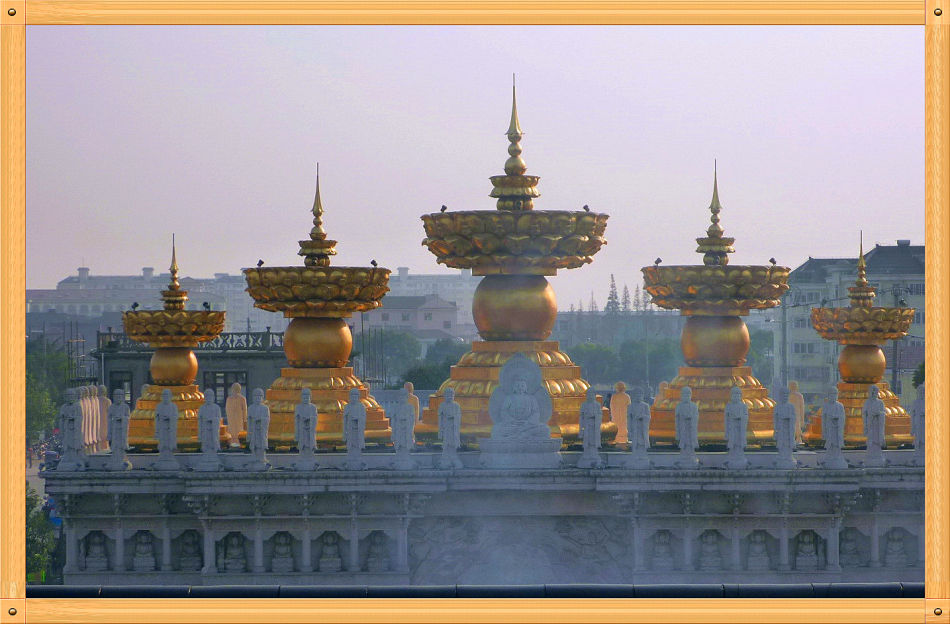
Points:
[(714, 246), (318, 249), (173, 269), (174, 298), (515, 190), (862, 294)]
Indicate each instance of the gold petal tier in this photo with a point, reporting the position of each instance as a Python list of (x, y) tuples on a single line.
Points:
[(715, 339), (863, 328), (173, 331), (514, 307), (318, 342)]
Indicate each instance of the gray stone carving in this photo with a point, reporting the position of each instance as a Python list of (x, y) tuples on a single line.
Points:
[(895, 552), (737, 422), (687, 429), (96, 558), (403, 420), (662, 556), (638, 430), (850, 551), (232, 556), (354, 431), (806, 552), (873, 414), (330, 559), (918, 424), (450, 425), (209, 427), (305, 432), (710, 557), (590, 432), (282, 561), (258, 422), (520, 408), (784, 416), (757, 555), (377, 556), (118, 417), (166, 431), (832, 430), (143, 552), (190, 551), (70, 419)]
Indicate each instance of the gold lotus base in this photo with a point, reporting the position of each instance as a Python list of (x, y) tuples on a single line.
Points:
[(712, 387), (897, 430), (330, 390), (188, 399), (476, 376)]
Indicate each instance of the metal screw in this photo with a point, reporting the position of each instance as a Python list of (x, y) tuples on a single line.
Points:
[(11, 13), (12, 611), (937, 611), (938, 12)]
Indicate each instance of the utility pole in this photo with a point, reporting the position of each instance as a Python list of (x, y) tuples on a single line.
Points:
[(895, 360), (784, 345)]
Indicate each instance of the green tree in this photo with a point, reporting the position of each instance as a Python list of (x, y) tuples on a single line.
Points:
[(446, 350), (759, 357), (598, 362), (40, 539), (665, 358), (919, 375), (46, 380), (426, 376), (612, 306), (625, 300)]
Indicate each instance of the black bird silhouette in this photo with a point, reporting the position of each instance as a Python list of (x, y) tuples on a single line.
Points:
[(444, 208), (772, 260), (657, 262), (586, 208), (135, 305), (373, 262), (206, 305), (260, 263)]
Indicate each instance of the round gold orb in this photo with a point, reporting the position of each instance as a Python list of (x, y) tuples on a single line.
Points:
[(174, 366), (318, 342), (862, 363), (715, 341), (514, 307)]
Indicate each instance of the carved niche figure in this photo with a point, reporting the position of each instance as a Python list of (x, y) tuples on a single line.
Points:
[(757, 557), (330, 560), (102, 434), (236, 409), (96, 558), (638, 430), (377, 557), (619, 404), (798, 402), (258, 417), (895, 553), (918, 424), (873, 413), (166, 430), (209, 427), (143, 552), (412, 399), (662, 558), (806, 551), (687, 433), (403, 420), (305, 431), (118, 416), (70, 417), (354, 430), (737, 422), (283, 559), (784, 433), (850, 554), (709, 556), (233, 557), (590, 432), (450, 425), (190, 554), (832, 430)]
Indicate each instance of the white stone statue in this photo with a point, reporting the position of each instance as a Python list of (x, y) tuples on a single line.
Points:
[(798, 402), (687, 429), (190, 553), (282, 561), (784, 431), (236, 409), (70, 417), (119, 415), (662, 558), (234, 559), (102, 434), (710, 559), (377, 557), (737, 422), (209, 428), (412, 399), (619, 406), (258, 417), (832, 430), (806, 552), (403, 421), (918, 424), (850, 554), (305, 432), (166, 431), (450, 426), (895, 554), (638, 430), (354, 431), (143, 553), (96, 559), (757, 557), (589, 431), (873, 414), (330, 560)]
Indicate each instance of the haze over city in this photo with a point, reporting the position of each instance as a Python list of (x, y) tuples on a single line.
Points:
[(212, 133)]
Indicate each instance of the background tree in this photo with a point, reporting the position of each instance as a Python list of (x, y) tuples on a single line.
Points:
[(637, 299), (918, 375), (760, 355), (612, 307), (40, 539), (598, 362), (47, 376), (625, 300), (665, 358), (437, 364)]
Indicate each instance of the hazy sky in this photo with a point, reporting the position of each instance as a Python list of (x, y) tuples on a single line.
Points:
[(212, 132)]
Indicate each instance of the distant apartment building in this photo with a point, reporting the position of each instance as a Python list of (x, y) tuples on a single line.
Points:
[(429, 318), (897, 271), (458, 287)]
